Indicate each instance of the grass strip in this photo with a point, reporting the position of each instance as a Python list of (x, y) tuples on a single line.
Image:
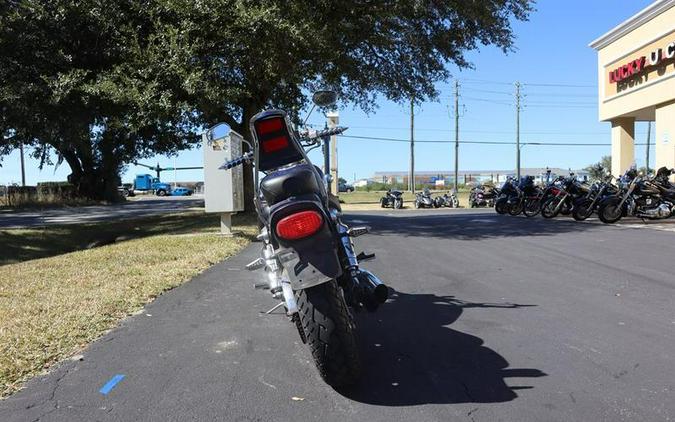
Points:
[(52, 307)]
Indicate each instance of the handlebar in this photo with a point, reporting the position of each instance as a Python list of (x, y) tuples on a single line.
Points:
[(236, 162), (322, 133), (306, 139)]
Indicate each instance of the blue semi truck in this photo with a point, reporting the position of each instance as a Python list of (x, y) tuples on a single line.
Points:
[(146, 183)]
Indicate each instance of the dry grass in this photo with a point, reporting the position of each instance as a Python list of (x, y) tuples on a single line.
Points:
[(52, 307), (362, 201)]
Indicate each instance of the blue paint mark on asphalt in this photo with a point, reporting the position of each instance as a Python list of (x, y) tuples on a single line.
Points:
[(111, 384)]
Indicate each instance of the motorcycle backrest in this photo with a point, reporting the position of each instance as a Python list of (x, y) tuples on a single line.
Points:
[(276, 142)]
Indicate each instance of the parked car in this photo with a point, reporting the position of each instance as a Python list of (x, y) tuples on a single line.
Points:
[(181, 191), (344, 187), (126, 190)]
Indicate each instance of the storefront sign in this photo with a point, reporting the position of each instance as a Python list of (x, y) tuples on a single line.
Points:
[(654, 60), (636, 66)]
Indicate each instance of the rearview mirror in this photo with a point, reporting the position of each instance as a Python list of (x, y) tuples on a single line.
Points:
[(218, 131), (324, 98)]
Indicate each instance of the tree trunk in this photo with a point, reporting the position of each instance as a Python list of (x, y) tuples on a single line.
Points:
[(249, 190)]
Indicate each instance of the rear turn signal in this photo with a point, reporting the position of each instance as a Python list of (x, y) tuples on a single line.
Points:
[(299, 225)]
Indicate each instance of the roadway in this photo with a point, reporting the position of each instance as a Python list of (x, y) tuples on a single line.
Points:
[(142, 207), (492, 318)]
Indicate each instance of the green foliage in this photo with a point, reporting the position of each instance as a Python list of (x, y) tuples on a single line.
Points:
[(103, 83), (598, 170)]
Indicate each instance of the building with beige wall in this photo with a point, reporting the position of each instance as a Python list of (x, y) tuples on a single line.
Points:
[(636, 82)]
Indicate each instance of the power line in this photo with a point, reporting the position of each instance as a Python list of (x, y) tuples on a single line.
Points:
[(486, 100), (491, 92), (556, 94), (535, 132), (555, 85), (561, 85), (446, 141)]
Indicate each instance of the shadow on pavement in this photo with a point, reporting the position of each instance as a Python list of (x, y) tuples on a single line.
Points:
[(467, 226), (411, 356)]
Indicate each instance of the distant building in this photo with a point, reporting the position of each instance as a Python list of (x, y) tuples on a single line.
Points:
[(362, 183), (447, 178)]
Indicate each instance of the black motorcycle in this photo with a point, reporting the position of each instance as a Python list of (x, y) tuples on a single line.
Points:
[(446, 200), (586, 206), (482, 196), (307, 250), (562, 196), (640, 196), (527, 198), (392, 199), (424, 200), (508, 191)]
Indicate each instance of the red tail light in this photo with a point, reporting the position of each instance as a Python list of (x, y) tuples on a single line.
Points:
[(275, 144), (264, 127), (272, 133), (299, 225)]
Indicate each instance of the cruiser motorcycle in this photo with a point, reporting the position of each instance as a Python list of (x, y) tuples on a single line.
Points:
[(307, 251), (482, 196), (508, 191), (527, 198), (640, 196), (586, 206), (563, 196)]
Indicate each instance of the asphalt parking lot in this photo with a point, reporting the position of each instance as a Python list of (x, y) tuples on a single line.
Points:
[(493, 318)]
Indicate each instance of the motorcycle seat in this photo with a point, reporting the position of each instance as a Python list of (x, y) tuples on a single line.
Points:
[(292, 181)]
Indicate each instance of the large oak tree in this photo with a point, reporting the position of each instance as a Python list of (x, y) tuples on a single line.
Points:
[(102, 83)]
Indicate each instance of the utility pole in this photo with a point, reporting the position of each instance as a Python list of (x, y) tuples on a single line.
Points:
[(411, 182), (649, 134), (23, 170), (333, 120), (518, 130), (456, 133), (326, 157)]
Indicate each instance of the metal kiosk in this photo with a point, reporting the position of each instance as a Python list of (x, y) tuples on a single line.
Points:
[(223, 190)]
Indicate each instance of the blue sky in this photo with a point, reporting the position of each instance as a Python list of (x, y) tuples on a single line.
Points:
[(552, 49)]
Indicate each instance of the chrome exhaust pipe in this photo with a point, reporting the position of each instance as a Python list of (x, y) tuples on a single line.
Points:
[(375, 291)]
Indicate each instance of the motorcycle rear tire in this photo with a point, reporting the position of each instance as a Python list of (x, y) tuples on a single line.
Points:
[(330, 333)]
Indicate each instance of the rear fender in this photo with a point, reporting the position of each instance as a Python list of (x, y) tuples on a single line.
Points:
[(315, 260)]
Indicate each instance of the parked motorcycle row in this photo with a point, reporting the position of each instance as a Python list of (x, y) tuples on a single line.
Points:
[(394, 199), (425, 200), (632, 195)]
